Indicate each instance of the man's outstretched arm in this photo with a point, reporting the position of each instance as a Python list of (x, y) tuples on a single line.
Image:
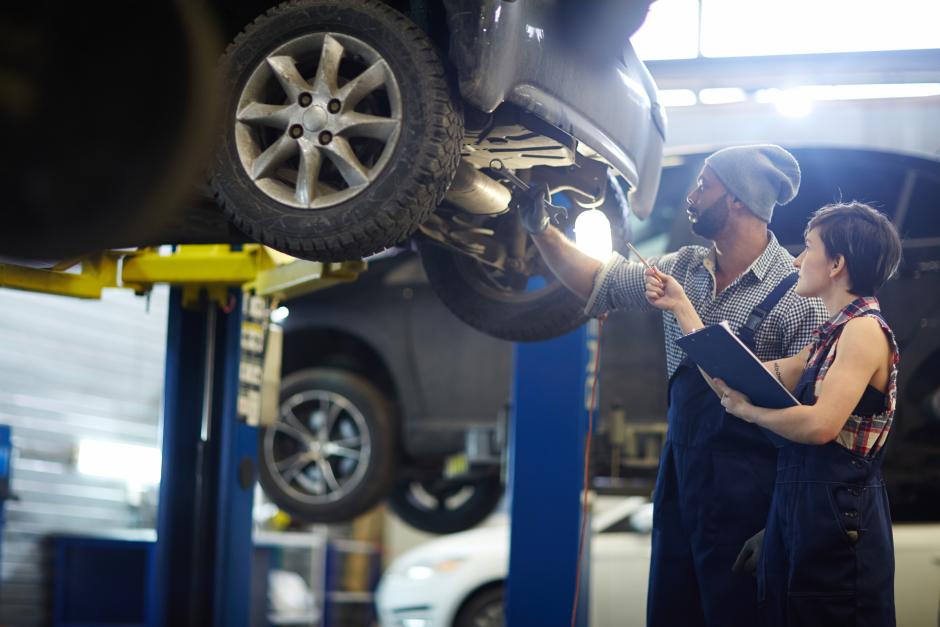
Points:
[(573, 268)]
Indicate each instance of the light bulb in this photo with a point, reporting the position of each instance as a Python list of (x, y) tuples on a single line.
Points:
[(592, 234)]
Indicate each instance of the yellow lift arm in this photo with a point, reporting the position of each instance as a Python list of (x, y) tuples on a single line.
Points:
[(196, 267)]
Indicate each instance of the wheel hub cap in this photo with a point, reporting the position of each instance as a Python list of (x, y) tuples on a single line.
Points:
[(315, 118)]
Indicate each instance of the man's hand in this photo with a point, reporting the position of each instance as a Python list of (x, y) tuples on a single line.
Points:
[(533, 211), (749, 555)]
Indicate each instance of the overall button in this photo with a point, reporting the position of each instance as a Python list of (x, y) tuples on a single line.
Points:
[(857, 463), (850, 514)]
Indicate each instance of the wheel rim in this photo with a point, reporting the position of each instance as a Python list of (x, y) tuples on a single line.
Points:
[(318, 120), (319, 450), (438, 495), (490, 615)]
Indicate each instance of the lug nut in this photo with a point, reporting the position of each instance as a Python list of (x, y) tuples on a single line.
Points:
[(326, 137), (333, 106), (296, 131), (305, 99)]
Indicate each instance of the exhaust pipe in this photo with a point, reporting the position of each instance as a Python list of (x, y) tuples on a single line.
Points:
[(476, 193)]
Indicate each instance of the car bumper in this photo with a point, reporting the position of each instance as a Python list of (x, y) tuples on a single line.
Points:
[(508, 52), (404, 602)]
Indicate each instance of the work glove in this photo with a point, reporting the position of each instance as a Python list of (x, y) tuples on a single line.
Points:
[(749, 555), (533, 210)]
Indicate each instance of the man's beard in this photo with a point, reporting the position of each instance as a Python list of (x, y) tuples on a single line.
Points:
[(710, 222)]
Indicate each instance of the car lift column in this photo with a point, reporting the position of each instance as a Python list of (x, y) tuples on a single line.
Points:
[(551, 395), (204, 542)]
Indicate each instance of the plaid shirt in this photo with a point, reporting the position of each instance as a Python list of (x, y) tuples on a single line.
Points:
[(862, 434), (787, 329)]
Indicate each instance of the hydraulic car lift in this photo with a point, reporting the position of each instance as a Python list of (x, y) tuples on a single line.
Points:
[(552, 395), (214, 338), (211, 411)]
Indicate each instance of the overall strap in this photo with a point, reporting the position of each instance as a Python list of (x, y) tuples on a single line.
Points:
[(746, 333)]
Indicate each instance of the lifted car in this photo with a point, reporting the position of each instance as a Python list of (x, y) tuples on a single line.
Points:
[(345, 127)]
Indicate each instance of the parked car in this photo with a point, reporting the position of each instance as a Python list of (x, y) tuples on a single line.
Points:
[(423, 380), (459, 580), (404, 377), (344, 127)]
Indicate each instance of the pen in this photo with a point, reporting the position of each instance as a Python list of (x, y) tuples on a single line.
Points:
[(642, 260)]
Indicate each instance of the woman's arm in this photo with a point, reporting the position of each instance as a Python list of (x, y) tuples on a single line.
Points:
[(862, 350), (788, 370)]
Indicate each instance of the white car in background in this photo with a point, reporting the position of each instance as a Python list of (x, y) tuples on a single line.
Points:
[(458, 580)]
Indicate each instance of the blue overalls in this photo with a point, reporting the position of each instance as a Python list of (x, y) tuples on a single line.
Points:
[(713, 491), (828, 553)]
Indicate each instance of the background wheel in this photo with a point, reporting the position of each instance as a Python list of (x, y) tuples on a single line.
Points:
[(445, 505), (527, 305), (341, 131), (486, 608), (334, 449), (105, 129)]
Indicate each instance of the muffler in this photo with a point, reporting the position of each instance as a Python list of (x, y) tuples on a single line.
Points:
[(476, 193)]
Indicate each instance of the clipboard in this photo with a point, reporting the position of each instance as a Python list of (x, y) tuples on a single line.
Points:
[(718, 351)]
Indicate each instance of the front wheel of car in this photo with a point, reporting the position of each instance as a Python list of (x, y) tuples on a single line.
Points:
[(341, 131), (520, 301), (445, 505), (333, 451), (486, 608)]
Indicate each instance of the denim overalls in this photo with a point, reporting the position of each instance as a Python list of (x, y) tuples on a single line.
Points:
[(713, 491), (828, 553)]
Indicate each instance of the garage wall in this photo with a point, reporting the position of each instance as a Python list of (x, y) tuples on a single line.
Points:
[(72, 369)]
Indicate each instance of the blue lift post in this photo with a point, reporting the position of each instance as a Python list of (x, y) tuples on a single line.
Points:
[(204, 542), (6, 481), (551, 396)]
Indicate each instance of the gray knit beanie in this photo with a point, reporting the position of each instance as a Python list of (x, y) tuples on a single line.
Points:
[(760, 176)]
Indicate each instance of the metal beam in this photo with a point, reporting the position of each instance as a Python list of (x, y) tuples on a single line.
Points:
[(749, 73), (211, 267)]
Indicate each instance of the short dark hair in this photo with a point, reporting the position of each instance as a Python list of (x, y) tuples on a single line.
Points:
[(865, 237)]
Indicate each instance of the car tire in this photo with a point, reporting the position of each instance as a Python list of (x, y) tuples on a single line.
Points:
[(356, 433), (445, 505), (486, 608), (487, 301), (341, 129)]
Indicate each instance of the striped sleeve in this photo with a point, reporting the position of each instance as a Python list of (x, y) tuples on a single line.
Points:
[(801, 316), (620, 284)]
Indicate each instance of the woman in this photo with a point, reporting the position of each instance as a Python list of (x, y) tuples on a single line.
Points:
[(827, 556)]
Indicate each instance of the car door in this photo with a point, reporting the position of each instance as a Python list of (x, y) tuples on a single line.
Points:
[(917, 574), (620, 559)]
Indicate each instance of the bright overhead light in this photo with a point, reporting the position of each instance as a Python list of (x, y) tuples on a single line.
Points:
[(280, 314), (677, 97), (722, 95), (592, 234), (791, 103), (874, 91)]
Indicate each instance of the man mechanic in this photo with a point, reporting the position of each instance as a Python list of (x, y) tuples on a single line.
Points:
[(716, 473)]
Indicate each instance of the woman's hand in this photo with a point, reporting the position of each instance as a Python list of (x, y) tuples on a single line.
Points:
[(664, 292), (733, 401)]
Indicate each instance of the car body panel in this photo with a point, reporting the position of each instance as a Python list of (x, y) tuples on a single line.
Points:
[(515, 52), (447, 376)]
